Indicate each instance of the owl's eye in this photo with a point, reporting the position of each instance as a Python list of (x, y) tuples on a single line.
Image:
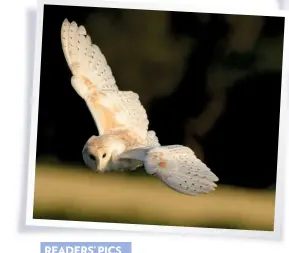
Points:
[(92, 157), (104, 155)]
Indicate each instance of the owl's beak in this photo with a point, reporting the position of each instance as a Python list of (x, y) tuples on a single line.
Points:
[(99, 166)]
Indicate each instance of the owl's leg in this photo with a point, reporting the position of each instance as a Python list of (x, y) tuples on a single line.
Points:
[(136, 165), (130, 164)]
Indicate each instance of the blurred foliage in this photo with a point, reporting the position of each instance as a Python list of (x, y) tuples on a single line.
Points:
[(148, 58), (71, 193)]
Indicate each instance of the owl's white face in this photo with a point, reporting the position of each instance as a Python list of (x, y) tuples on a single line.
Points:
[(96, 157)]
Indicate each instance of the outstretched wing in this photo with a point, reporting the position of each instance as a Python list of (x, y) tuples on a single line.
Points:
[(94, 82), (85, 59), (178, 167)]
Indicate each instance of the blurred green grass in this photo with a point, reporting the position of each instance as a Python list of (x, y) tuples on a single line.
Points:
[(74, 193)]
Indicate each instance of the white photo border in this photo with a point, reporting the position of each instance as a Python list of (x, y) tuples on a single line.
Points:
[(166, 6)]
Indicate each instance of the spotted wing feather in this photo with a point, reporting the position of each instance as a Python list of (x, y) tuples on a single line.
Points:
[(85, 59), (179, 168), (128, 112)]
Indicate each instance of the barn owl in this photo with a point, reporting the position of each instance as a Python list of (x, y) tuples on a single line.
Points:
[(125, 143)]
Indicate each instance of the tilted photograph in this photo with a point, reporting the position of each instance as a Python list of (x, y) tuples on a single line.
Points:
[(157, 117)]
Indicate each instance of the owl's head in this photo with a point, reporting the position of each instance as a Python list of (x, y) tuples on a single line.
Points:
[(98, 152)]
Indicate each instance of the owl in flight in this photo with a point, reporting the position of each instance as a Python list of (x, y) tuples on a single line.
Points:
[(124, 142)]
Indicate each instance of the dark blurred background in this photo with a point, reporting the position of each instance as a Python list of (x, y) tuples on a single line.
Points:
[(208, 81)]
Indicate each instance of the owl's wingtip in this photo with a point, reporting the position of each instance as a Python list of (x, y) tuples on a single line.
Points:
[(65, 21)]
